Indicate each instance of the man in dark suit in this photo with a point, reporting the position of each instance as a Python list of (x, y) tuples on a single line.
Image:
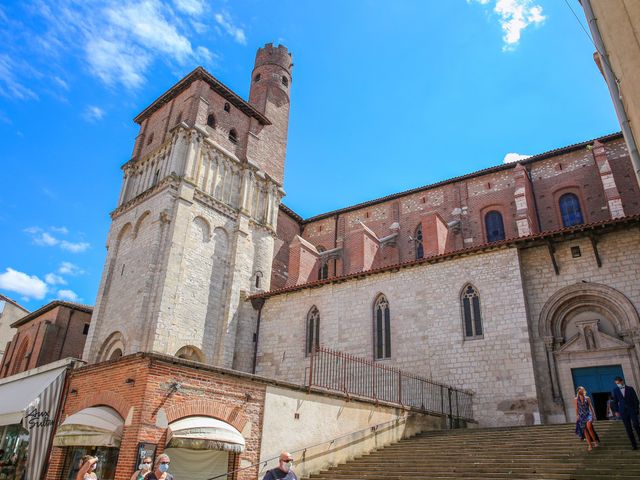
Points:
[(626, 405)]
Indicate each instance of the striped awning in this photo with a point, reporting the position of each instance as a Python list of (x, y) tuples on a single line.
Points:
[(32, 399), (91, 427), (204, 433)]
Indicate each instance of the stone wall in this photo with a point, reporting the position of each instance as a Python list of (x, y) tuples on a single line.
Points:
[(426, 330), (599, 293)]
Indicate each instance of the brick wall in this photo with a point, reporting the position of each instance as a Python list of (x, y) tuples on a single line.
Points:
[(55, 334), (146, 401), (468, 201)]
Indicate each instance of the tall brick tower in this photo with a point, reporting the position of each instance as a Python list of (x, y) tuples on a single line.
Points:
[(270, 84), (194, 229)]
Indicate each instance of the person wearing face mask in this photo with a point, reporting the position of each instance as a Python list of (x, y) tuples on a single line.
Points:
[(161, 469), (88, 468), (144, 469), (283, 470), (625, 401)]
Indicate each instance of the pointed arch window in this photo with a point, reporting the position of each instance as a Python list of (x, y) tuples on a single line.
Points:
[(494, 226), (382, 328), (313, 330), (211, 121), (471, 316), (418, 240), (233, 135), (570, 210)]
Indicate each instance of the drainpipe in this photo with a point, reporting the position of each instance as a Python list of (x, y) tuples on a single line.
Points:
[(256, 303), (614, 89)]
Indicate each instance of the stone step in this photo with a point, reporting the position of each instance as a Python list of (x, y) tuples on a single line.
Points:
[(539, 452)]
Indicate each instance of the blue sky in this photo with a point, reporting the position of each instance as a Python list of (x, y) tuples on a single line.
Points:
[(386, 96)]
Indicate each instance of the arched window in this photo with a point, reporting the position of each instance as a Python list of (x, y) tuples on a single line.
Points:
[(417, 238), (382, 327), (211, 121), (258, 279), (313, 330), (471, 312), (227, 107), (116, 354), (494, 226), (189, 352), (256, 78), (570, 210), (285, 81), (233, 135), (323, 271)]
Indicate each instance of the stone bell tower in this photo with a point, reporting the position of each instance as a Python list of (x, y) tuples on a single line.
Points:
[(194, 229)]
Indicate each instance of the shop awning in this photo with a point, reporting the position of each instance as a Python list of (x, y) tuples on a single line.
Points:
[(19, 391), (204, 433), (91, 427)]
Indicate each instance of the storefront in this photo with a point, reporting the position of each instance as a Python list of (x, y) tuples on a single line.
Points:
[(200, 447), (28, 411), (93, 431)]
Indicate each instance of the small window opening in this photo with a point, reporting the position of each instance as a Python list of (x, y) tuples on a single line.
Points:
[(156, 176), (227, 107), (256, 78), (85, 329), (179, 119), (122, 270), (150, 139), (211, 121), (258, 279), (233, 135), (488, 185), (575, 252), (285, 81)]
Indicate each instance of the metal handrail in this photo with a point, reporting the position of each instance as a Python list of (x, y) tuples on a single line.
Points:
[(304, 449), (351, 375)]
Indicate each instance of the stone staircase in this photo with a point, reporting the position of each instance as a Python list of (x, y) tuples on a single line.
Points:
[(541, 452)]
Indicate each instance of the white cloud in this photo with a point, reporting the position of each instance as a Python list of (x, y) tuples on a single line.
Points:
[(29, 286), (225, 21), (53, 279), (515, 16), (114, 61), (10, 86), (68, 295), (68, 268), (145, 22), (514, 157), (74, 247), (62, 230), (60, 82), (45, 240), (33, 230), (93, 113), (205, 55), (190, 7)]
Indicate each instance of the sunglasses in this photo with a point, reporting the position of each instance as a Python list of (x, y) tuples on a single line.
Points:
[(165, 463)]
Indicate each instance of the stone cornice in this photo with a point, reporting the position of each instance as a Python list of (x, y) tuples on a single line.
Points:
[(169, 181)]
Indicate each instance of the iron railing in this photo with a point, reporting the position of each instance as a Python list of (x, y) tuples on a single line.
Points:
[(351, 375)]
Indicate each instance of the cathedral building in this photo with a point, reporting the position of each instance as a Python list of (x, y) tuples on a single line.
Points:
[(518, 282)]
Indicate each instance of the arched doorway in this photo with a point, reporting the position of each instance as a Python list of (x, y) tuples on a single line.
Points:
[(591, 333)]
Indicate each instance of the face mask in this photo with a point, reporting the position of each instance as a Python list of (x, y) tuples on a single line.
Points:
[(288, 465), (620, 385), (144, 466), (164, 467)]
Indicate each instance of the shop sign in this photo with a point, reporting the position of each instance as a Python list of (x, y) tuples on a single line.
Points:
[(37, 418)]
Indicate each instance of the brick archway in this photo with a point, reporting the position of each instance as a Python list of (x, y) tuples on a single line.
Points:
[(208, 408), (108, 398)]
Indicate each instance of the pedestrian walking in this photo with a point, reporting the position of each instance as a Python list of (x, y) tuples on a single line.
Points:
[(88, 468), (585, 415), (144, 469), (626, 407), (161, 469), (283, 471)]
